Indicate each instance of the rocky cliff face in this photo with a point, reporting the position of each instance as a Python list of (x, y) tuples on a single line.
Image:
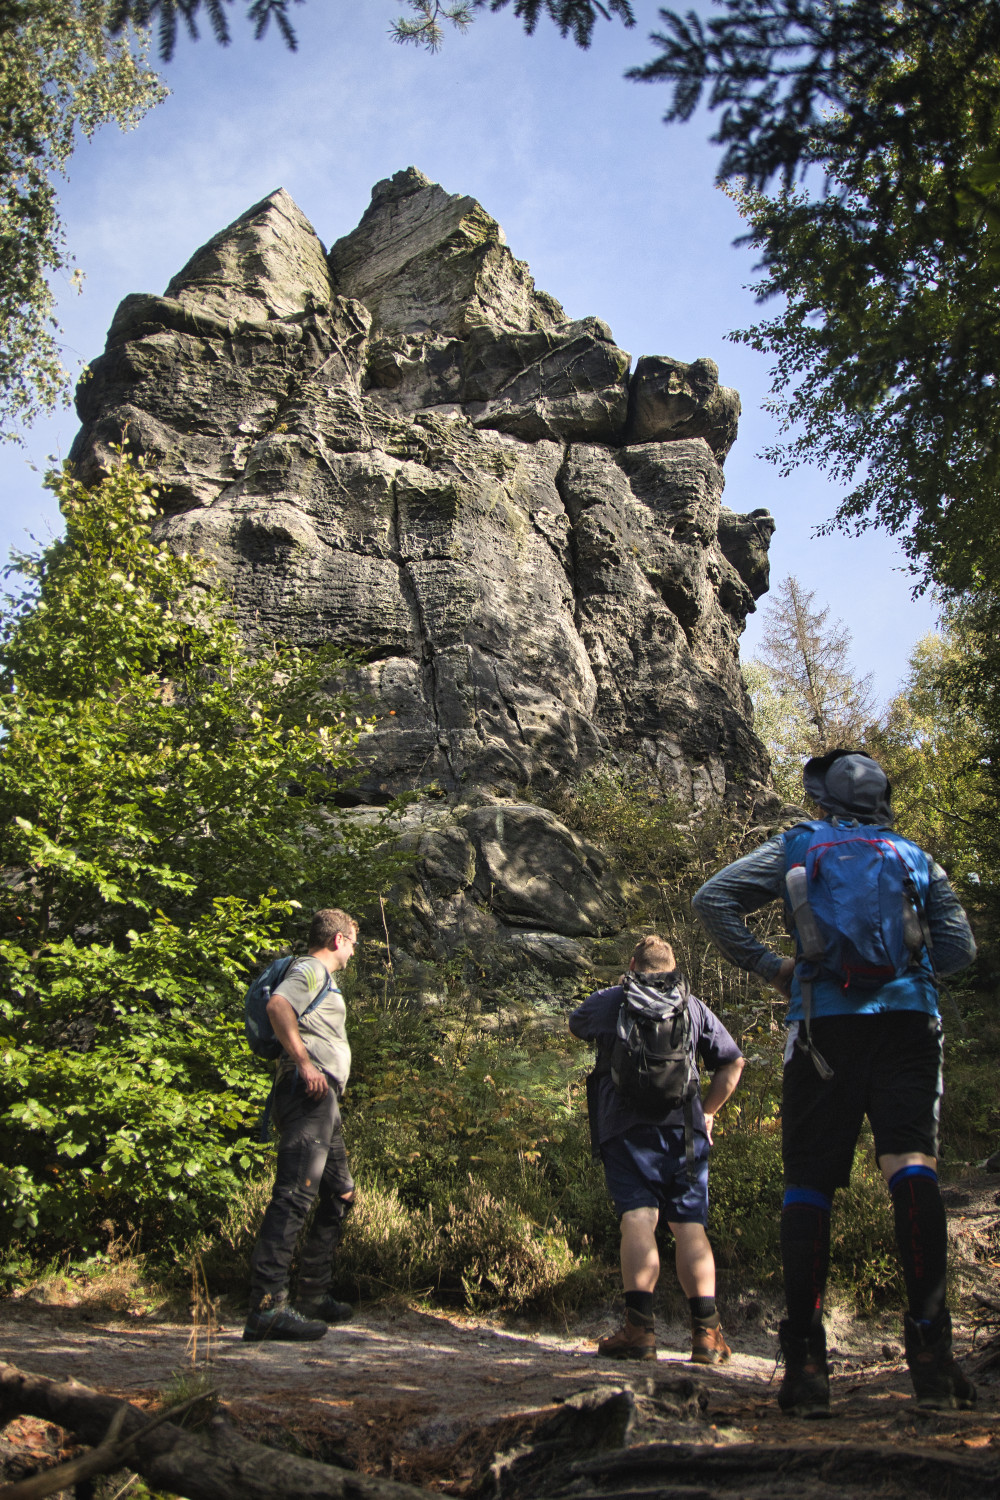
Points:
[(405, 447)]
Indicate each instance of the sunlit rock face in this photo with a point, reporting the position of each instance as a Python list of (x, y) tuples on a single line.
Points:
[(402, 446)]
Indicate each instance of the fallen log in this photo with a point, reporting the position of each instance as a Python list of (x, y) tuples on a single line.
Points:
[(215, 1463), (111, 1454), (663, 1470)]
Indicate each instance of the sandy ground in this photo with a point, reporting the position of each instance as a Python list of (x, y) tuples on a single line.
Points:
[(431, 1397)]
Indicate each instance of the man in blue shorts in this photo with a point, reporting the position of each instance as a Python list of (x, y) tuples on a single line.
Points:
[(659, 1165), (861, 1041)]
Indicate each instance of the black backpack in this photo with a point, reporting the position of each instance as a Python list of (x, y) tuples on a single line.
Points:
[(652, 1060)]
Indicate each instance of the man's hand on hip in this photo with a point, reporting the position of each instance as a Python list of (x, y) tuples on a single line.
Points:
[(315, 1080)]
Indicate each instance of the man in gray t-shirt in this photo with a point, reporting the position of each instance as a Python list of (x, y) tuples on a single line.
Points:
[(308, 1015), (322, 1028)]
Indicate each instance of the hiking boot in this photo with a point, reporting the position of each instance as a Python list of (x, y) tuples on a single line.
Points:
[(805, 1386), (273, 1318), (708, 1347), (937, 1376), (326, 1307), (635, 1341)]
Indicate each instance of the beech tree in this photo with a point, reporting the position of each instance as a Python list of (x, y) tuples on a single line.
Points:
[(935, 751), (164, 812), (61, 73)]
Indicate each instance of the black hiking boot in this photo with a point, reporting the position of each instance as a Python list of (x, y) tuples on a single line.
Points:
[(805, 1386), (937, 1376), (326, 1307), (273, 1318)]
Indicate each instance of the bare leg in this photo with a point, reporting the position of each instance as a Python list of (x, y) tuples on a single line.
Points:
[(640, 1272), (696, 1274), (640, 1257), (694, 1259), (892, 1162)]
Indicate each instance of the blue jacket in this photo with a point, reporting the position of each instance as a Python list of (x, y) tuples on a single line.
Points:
[(723, 903)]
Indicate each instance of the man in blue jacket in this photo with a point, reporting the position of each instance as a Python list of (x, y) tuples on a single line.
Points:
[(861, 1041), (659, 1165)]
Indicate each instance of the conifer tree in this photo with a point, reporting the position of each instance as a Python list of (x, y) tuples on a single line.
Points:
[(809, 665)]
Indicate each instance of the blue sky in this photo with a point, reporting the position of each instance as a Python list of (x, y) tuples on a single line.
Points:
[(615, 213)]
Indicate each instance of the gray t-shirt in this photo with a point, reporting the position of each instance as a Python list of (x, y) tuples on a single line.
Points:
[(323, 1030)]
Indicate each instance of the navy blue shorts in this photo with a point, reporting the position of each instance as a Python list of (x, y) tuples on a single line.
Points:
[(646, 1168)]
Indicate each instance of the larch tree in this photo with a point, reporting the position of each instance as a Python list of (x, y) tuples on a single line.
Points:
[(809, 665)]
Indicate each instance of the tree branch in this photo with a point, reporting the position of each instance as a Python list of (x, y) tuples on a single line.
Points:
[(216, 1464), (108, 1456)]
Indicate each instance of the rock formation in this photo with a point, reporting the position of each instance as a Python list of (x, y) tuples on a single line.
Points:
[(405, 447)]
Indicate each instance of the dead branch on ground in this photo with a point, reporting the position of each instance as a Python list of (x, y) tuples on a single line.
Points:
[(215, 1464)]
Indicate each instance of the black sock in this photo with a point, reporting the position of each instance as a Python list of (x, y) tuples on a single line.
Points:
[(922, 1238), (704, 1311), (805, 1260), (640, 1303)]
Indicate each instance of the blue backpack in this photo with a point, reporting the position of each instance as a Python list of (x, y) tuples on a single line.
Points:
[(260, 1033), (857, 896)]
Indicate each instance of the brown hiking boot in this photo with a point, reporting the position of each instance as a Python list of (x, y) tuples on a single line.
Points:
[(635, 1341), (708, 1347)]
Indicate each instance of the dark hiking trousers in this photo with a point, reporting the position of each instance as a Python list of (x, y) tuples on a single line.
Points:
[(312, 1162)]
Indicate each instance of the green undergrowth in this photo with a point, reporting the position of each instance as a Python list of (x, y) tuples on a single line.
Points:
[(466, 1122), (476, 1187)]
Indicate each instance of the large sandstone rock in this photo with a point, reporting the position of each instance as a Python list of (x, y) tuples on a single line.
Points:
[(426, 261), (669, 400), (406, 448), (491, 871)]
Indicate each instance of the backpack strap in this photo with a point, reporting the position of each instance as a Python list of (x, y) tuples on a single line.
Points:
[(323, 989), (804, 1041), (803, 924), (920, 909), (689, 1138)]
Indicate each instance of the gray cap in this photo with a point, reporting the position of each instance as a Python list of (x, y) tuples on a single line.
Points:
[(849, 784)]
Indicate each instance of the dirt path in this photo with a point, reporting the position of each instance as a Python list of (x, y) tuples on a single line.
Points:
[(431, 1398)]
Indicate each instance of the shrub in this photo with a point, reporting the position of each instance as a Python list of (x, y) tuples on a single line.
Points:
[(157, 787)]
